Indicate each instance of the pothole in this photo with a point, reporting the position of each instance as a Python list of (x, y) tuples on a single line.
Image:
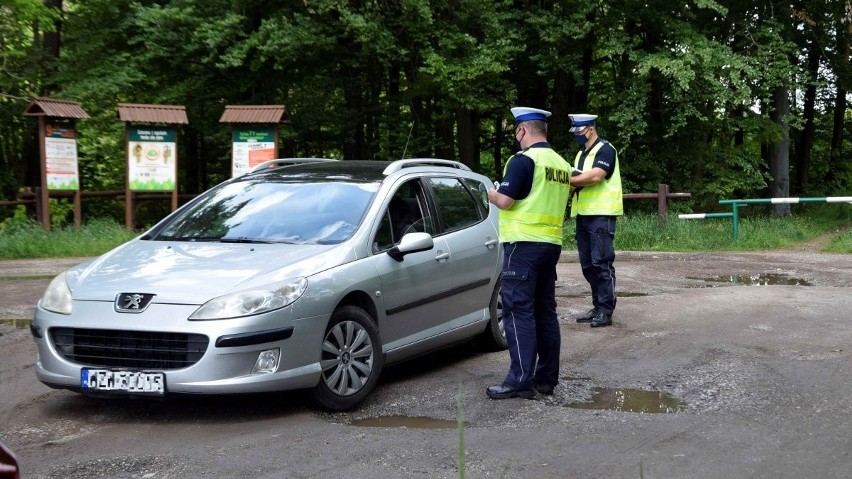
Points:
[(762, 279), (16, 323), (411, 422), (631, 400)]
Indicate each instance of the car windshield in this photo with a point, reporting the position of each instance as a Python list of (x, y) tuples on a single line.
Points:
[(273, 212)]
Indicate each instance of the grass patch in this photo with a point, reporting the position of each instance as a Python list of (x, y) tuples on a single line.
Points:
[(756, 233), (635, 232), (841, 243), (27, 239)]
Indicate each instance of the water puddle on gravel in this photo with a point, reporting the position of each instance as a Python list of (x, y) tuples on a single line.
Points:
[(763, 279), (419, 422), (17, 323), (631, 400)]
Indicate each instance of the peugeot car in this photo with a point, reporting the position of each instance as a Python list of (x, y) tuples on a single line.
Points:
[(301, 274)]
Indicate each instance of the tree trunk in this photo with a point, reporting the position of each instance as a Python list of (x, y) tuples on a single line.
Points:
[(498, 148), (779, 152), (51, 43), (842, 72), (806, 136), (468, 138)]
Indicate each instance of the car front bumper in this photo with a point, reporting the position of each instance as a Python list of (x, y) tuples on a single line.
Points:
[(224, 367)]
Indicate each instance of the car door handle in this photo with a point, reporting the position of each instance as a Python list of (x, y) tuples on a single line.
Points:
[(489, 243), (442, 256)]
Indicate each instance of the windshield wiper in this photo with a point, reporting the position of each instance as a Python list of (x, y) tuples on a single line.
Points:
[(243, 239)]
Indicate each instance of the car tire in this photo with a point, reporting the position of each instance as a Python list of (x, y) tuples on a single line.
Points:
[(494, 336), (351, 359)]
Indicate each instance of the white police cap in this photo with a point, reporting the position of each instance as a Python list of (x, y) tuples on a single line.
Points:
[(522, 113), (580, 121)]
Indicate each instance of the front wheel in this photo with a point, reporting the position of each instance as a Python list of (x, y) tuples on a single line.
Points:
[(351, 359)]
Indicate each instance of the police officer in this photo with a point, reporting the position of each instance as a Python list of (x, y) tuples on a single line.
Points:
[(532, 200), (596, 204)]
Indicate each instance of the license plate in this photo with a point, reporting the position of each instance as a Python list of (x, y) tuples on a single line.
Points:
[(134, 382)]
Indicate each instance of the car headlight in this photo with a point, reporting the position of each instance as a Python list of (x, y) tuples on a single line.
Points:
[(255, 301), (57, 297)]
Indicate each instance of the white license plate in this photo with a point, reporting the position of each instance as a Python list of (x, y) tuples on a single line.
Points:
[(136, 382)]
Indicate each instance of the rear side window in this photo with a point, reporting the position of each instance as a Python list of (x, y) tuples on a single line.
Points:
[(457, 207)]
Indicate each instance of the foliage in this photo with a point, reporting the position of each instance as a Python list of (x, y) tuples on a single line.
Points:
[(683, 90)]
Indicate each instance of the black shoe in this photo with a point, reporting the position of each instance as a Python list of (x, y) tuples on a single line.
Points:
[(602, 319), (506, 392), (588, 317), (546, 389)]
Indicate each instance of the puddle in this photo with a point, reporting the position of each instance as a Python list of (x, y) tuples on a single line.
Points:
[(17, 323), (628, 294), (763, 279), (27, 278), (420, 422), (631, 400)]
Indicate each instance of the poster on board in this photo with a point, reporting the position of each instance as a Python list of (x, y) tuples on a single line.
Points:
[(251, 147), (151, 159), (60, 152)]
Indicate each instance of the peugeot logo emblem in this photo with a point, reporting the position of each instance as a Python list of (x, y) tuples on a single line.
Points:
[(132, 302)]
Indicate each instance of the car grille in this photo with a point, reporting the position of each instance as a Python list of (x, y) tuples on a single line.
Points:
[(129, 349)]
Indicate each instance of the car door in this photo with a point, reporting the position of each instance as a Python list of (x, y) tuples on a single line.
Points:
[(472, 241), (414, 288)]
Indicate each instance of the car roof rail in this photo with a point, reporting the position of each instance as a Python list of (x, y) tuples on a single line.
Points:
[(279, 162), (412, 162)]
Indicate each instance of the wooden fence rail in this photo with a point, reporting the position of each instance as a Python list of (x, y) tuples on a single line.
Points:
[(663, 196)]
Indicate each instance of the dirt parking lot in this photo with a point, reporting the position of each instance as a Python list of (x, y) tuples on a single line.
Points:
[(717, 366)]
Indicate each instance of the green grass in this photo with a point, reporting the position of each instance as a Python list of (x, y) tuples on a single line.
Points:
[(757, 233), (841, 243), (635, 232), (27, 239)]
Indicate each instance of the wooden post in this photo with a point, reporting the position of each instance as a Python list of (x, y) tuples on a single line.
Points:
[(663, 202), (128, 194), (78, 209), (44, 194), (175, 190)]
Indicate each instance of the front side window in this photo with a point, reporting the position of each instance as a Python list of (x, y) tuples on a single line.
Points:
[(407, 212)]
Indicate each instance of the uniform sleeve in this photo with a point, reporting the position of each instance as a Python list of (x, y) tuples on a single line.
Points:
[(517, 182), (605, 159)]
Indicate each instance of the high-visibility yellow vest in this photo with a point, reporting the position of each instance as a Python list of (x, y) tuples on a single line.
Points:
[(539, 216), (602, 198)]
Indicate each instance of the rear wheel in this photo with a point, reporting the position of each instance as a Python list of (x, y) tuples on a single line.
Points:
[(494, 337), (351, 359)]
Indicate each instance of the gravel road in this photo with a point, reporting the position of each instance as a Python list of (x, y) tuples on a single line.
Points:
[(717, 366)]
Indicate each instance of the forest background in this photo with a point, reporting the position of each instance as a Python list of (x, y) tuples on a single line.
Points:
[(722, 99)]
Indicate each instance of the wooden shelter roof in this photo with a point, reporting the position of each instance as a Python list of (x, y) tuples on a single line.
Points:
[(263, 114), (43, 106), (170, 114)]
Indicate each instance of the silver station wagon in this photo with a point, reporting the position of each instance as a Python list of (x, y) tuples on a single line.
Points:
[(302, 274)]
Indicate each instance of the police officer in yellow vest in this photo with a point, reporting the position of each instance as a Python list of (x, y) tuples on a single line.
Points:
[(596, 203), (532, 200)]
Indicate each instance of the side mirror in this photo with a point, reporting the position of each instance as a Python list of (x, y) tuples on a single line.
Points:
[(411, 243)]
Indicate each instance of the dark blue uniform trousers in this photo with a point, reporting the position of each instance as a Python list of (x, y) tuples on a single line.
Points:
[(595, 235), (528, 291)]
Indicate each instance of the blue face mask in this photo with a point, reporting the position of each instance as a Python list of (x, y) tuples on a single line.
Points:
[(581, 139)]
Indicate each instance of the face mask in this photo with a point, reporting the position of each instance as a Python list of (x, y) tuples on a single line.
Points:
[(517, 145), (581, 139)]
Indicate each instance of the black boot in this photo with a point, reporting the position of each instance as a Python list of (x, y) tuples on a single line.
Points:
[(601, 319), (588, 316)]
